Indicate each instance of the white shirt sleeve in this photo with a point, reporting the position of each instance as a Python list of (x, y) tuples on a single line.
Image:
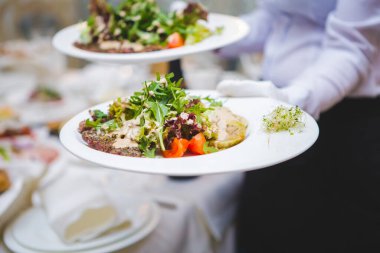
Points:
[(351, 43), (260, 23)]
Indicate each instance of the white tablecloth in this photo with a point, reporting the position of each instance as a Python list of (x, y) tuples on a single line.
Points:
[(197, 215)]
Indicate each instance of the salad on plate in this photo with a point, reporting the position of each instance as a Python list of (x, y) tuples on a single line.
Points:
[(162, 119), (135, 26)]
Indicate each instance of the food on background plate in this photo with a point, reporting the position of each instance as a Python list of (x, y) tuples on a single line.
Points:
[(28, 148), (12, 52), (20, 141), (43, 153), (162, 118), (5, 182), (54, 127), (13, 128), (45, 94), (7, 113), (140, 26), (4, 154), (9, 124), (284, 119)]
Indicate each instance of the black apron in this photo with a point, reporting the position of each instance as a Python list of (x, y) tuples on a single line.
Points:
[(327, 199)]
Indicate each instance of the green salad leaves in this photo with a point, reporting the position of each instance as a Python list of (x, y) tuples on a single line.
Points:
[(142, 22), (163, 111)]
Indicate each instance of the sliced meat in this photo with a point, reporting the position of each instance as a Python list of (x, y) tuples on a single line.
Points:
[(95, 48), (103, 142), (82, 127)]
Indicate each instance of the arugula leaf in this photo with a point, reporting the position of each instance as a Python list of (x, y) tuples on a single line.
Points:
[(110, 125), (169, 76), (147, 146), (159, 111), (151, 153), (91, 21), (213, 102), (179, 104), (196, 34), (197, 109), (209, 149), (99, 114), (117, 109), (94, 124)]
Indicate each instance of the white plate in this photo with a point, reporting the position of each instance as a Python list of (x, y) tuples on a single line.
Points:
[(45, 239), (22, 174), (45, 236), (258, 150), (9, 197), (234, 30)]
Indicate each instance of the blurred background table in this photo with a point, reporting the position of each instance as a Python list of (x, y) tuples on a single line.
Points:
[(197, 215)]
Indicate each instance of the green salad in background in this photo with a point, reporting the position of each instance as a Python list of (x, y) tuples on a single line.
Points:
[(140, 26)]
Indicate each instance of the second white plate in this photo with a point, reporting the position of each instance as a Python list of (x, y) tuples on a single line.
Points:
[(17, 234), (258, 150)]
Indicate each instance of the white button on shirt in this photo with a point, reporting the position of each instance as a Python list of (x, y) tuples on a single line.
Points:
[(321, 51)]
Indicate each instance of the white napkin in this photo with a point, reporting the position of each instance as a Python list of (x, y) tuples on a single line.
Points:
[(24, 175), (81, 201)]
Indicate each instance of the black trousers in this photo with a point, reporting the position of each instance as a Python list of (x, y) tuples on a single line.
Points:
[(326, 200)]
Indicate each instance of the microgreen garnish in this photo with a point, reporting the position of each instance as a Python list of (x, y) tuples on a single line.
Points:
[(284, 119)]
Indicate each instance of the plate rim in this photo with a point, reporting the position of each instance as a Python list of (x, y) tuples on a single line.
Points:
[(90, 244), (12, 194), (66, 137), (124, 242)]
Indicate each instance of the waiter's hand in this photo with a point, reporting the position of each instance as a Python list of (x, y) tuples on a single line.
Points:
[(250, 88), (294, 94)]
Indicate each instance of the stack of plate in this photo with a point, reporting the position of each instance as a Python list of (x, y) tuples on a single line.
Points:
[(31, 233)]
